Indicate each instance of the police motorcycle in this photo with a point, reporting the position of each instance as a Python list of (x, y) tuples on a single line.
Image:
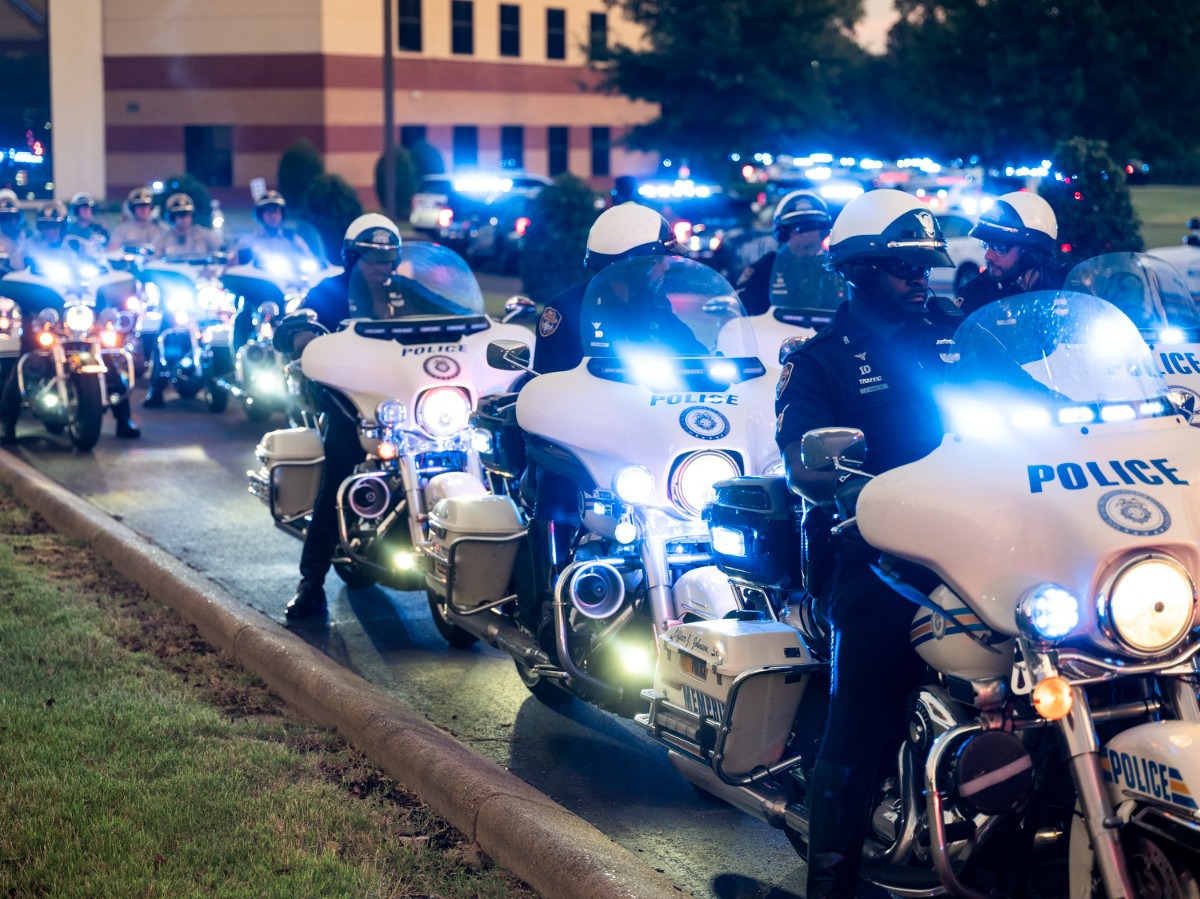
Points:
[(1051, 751), (641, 429), (1185, 256), (188, 311), (75, 359), (244, 365), (1153, 294), (411, 383)]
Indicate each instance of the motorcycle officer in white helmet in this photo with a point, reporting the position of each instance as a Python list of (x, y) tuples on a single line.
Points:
[(1020, 234), (82, 223), (13, 234), (139, 228), (370, 254), (874, 368), (184, 238)]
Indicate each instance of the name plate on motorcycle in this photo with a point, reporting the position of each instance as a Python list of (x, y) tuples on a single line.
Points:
[(422, 329)]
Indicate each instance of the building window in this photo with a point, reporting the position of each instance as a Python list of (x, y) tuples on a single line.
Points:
[(510, 30), (411, 134), (462, 27), (409, 23), (208, 154), (512, 147), (466, 145), (601, 147), (598, 35), (556, 34), (556, 145)]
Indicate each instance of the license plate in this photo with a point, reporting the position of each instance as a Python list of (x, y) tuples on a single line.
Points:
[(693, 666)]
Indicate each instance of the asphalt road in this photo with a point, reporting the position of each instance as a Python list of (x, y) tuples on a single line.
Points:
[(184, 487)]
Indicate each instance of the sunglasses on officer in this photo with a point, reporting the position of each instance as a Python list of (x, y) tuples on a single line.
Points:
[(902, 270), (998, 248)]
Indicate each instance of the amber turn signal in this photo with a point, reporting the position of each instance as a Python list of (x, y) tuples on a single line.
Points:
[(1053, 699)]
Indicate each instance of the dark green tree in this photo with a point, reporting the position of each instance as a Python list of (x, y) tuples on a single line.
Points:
[(299, 165), (426, 159), (1091, 202), (557, 237), (186, 184), (331, 204), (739, 75), (406, 181)]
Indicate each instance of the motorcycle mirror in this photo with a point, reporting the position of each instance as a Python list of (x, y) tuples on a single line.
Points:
[(825, 448), (508, 355), (518, 307)]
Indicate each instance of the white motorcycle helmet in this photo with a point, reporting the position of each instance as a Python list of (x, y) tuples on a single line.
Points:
[(83, 198), (177, 205), (624, 231), (371, 236), (883, 224), (139, 196), (1022, 219), (800, 210)]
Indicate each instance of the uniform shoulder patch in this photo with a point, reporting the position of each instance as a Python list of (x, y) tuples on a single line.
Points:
[(784, 376), (549, 322)]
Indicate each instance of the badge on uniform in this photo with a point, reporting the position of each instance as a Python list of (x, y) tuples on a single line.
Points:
[(784, 375), (549, 322)]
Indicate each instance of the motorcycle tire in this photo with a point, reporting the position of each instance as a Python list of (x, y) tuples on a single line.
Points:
[(85, 399), (215, 398), (352, 577), (187, 389), (544, 690), (56, 427), (451, 633), (258, 411)]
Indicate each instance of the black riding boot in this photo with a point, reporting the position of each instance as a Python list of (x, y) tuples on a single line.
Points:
[(126, 427), (837, 815)]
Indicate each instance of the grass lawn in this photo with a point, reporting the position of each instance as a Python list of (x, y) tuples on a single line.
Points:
[(135, 760), (1164, 210)]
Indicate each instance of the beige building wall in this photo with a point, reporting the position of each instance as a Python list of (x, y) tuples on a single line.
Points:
[(77, 97)]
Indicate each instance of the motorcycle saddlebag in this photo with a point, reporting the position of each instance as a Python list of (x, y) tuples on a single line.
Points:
[(753, 523), (698, 663), (475, 526), (290, 464), (497, 415)]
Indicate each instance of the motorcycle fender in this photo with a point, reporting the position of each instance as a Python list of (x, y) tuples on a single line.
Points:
[(452, 483), (704, 592), (1158, 763), (86, 362)]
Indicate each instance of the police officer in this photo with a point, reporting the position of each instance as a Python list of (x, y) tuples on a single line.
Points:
[(1020, 234), (83, 225), (370, 253), (139, 228), (618, 233), (12, 232), (801, 223), (185, 239), (872, 368), (271, 235)]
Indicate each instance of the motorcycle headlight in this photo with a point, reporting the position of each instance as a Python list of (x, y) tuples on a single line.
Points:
[(442, 411), (1048, 612), (692, 481), (633, 484), (211, 295), (79, 317), (390, 413), (1149, 605)]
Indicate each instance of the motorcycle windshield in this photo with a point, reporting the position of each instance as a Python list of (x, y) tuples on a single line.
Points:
[(803, 282), (434, 280), (1147, 289), (663, 306), (1051, 359)]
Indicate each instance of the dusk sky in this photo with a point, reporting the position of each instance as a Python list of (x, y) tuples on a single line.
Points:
[(872, 30)]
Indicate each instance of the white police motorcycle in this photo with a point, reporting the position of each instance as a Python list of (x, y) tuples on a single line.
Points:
[(642, 429), (1153, 294), (1053, 749), (78, 319), (243, 364), (411, 383)]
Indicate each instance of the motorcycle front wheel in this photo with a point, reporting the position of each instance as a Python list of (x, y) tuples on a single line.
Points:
[(451, 633), (354, 578), (256, 410), (215, 398), (85, 400)]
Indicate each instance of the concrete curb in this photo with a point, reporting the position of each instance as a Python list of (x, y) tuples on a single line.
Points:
[(551, 849)]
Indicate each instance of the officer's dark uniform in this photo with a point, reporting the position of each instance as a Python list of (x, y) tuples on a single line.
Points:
[(557, 346), (980, 291), (878, 379), (754, 285)]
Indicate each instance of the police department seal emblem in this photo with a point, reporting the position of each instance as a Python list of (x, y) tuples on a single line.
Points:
[(1186, 401), (1134, 513), (704, 422), (784, 375), (549, 322), (441, 367)]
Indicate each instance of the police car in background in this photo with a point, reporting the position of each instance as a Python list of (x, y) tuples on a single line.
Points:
[(457, 209), (967, 253), (1185, 257)]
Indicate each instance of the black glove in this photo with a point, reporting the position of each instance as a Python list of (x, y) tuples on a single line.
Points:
[(846, 494)]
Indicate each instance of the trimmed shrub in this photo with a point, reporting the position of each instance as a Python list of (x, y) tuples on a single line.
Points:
[(1091, 202), (299, 165), (557, 237), (406, 181), (426, 159), (331, 204)]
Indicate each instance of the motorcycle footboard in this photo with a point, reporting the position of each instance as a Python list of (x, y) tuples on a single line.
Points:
[(740, 729)]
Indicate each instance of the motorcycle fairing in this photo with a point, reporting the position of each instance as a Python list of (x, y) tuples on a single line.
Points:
[(1157, 762), (608, 425), (368, 370)]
